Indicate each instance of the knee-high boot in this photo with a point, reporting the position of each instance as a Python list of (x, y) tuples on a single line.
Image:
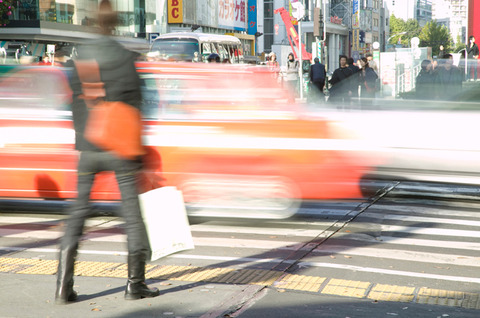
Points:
[(66, 261), (136, 287)]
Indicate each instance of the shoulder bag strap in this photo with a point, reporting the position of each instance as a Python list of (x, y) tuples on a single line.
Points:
[(89, 75)]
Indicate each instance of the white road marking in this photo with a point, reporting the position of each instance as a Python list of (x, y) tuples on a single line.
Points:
[(391, 272), (419, 219), (429, 231), (408, 241), (411, 256)]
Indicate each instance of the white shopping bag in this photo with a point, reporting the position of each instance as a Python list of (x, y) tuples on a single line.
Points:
[(166, 220)]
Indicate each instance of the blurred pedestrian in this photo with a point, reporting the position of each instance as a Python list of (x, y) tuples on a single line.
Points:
[(371, 62), (425, 81), (121, 83), (213, 58), (472, 54), (272, 64), (368, 79), (441, 52), (340, 90), (353, 79), (448, 79), (292, 76), (317, 77)]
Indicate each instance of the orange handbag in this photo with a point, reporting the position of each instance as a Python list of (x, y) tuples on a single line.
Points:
[(111, 125)]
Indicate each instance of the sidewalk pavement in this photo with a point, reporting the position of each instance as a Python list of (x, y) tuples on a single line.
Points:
[(33, 296)]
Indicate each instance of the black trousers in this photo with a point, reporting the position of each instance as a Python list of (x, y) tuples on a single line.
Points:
[(319, 85), (90, 163)]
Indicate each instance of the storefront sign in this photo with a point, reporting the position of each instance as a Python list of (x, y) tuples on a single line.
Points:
[(336, 20), (252, 17), (232, 14), (355, 39), (175, 11), (355, 14)]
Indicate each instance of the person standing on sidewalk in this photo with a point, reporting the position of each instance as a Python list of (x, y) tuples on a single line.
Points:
[(340, 91), (118, 73), (317, 77), (472, 54), (292, 76)]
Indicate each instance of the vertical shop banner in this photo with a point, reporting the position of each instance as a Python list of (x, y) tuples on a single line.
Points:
[(355, 39), (175, 11), (232, 14), (252, 17), (355, 14)]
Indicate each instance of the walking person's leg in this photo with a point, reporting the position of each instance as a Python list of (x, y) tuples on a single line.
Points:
[(137, 239), (79, 211), (475, 69)]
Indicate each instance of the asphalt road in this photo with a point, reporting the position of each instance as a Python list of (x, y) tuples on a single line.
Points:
[(409, 250)]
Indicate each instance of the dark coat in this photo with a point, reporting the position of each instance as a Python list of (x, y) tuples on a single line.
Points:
[(472, 51), (339, 85), (117, 72), (425, 85), (354, 79), (448, 82), (368, 79), (317, 72)]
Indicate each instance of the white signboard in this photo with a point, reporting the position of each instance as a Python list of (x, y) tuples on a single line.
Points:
[(232, 14), (51, 48)]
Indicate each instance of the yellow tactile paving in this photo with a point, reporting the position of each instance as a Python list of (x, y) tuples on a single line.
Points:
[(348, 288), (300, 282), (277, 279), (471, 301), (440, 297), (392, 293)]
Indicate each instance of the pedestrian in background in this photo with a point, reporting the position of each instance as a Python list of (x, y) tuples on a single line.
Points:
[(441, 52), (340, 90), (353, 79), (292, 76), (448, 79), (272, 64), (368, 78), (121, 83), (317, 77), (472, 55), (425, 81), (371, 62)]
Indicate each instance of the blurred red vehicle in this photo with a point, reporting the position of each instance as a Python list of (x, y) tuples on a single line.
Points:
[(223, 134)]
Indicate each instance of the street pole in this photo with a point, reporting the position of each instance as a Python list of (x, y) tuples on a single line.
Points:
[(466, 40), (300, 69)]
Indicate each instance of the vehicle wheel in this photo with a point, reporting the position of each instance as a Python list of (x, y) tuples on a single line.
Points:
[(267, 197)]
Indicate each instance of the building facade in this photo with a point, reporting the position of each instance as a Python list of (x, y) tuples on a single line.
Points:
[(420, 10), (38, 22)]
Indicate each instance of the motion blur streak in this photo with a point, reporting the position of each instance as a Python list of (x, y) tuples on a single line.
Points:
[(223, 134)]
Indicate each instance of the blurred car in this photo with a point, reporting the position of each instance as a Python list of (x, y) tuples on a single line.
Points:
[(223, 134), (418, 140)]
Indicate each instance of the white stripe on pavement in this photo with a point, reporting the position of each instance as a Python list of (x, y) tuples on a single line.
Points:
[(408, 241), (410, 256), (432, 211), (409, 218), (391, 272), (429, 231), (262, 231)]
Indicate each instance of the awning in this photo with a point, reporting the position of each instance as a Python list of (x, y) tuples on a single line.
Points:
[(4, 44), (37, 49)]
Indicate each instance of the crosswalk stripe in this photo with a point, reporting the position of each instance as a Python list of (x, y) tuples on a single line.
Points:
[(409, 218), (391, 272), (432, 211), (429, 231), (413, 256), (408, 241), (264, 231)]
